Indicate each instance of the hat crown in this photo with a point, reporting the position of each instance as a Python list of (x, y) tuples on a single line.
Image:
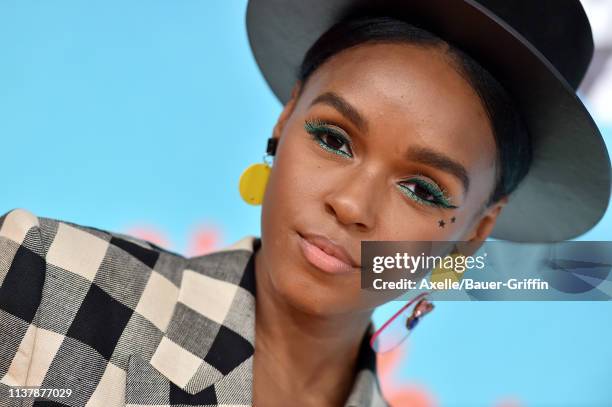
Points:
[(559, 29)]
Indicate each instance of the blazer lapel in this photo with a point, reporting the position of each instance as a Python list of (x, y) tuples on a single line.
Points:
[(205, 356)]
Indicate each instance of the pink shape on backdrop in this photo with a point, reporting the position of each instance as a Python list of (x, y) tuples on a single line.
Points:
[(150, 234), (400, 394), (510, 402), (203, 239)]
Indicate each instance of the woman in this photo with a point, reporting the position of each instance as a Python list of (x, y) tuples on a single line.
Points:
[(432, 120)]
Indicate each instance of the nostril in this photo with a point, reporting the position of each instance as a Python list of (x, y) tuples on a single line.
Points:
[(330, 209)]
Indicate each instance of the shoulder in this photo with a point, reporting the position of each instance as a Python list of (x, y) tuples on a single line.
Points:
[(75, 256), (99, 255), (85, 249), (78, 260)]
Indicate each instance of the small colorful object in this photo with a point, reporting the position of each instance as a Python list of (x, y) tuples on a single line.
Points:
[(253, 182)]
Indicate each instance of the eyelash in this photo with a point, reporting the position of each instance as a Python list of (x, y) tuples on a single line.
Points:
[(319, 129), (441, 199)]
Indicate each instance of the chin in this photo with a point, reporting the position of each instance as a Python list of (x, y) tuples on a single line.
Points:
[(312, 292), (313, 298)]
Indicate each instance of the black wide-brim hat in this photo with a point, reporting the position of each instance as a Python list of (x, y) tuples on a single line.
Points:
[(538, 49)]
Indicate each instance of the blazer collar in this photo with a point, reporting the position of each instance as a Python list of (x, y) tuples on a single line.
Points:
[(217, 295)]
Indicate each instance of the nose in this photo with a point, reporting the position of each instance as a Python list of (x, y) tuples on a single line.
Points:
[(354, 200)]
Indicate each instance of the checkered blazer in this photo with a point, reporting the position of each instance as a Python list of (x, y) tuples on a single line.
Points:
[(121, 321)]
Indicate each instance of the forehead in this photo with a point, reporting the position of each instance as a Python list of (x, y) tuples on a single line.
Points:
[(412, 92)]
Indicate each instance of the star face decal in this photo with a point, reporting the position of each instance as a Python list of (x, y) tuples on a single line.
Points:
[(453, 219), (441, 223)]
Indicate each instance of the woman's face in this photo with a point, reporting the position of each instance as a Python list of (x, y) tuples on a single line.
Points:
[(385, 142)]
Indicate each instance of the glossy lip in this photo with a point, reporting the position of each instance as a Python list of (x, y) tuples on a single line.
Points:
[(326, 255)]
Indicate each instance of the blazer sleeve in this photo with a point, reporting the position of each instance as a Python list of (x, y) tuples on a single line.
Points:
[(22, 275)]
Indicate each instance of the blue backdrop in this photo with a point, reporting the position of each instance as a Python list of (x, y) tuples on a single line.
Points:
[(116, 114)]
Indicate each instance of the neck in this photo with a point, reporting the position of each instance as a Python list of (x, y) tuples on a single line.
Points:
[(302, 353)]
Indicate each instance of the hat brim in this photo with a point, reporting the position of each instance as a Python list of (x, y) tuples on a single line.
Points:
[(567, 189)]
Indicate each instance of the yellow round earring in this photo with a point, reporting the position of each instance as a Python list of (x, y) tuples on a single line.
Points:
[(253, 181), (447, 271)]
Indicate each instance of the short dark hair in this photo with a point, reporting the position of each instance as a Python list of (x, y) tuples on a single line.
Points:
[(514, 150)]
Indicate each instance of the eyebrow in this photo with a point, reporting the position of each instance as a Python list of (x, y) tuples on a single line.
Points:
[(441, 161), (421, 155), (345, 108)]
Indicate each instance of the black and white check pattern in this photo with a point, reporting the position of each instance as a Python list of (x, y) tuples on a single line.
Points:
[(121, 321)]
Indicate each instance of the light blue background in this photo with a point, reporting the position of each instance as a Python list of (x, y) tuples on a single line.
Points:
[(117, 113)]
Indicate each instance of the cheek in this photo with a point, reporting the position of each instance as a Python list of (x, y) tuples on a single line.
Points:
[(296, 176), (408, 223), (289, 190)]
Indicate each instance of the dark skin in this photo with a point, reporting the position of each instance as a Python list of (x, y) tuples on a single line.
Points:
[(409, 100)]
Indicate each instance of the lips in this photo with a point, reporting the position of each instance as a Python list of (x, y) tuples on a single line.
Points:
[(326, 255)]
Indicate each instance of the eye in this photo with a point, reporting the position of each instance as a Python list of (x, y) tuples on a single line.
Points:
[(329, 137), (425, 192)]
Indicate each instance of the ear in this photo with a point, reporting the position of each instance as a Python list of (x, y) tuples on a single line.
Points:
[(287, 111), (483, 228)]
